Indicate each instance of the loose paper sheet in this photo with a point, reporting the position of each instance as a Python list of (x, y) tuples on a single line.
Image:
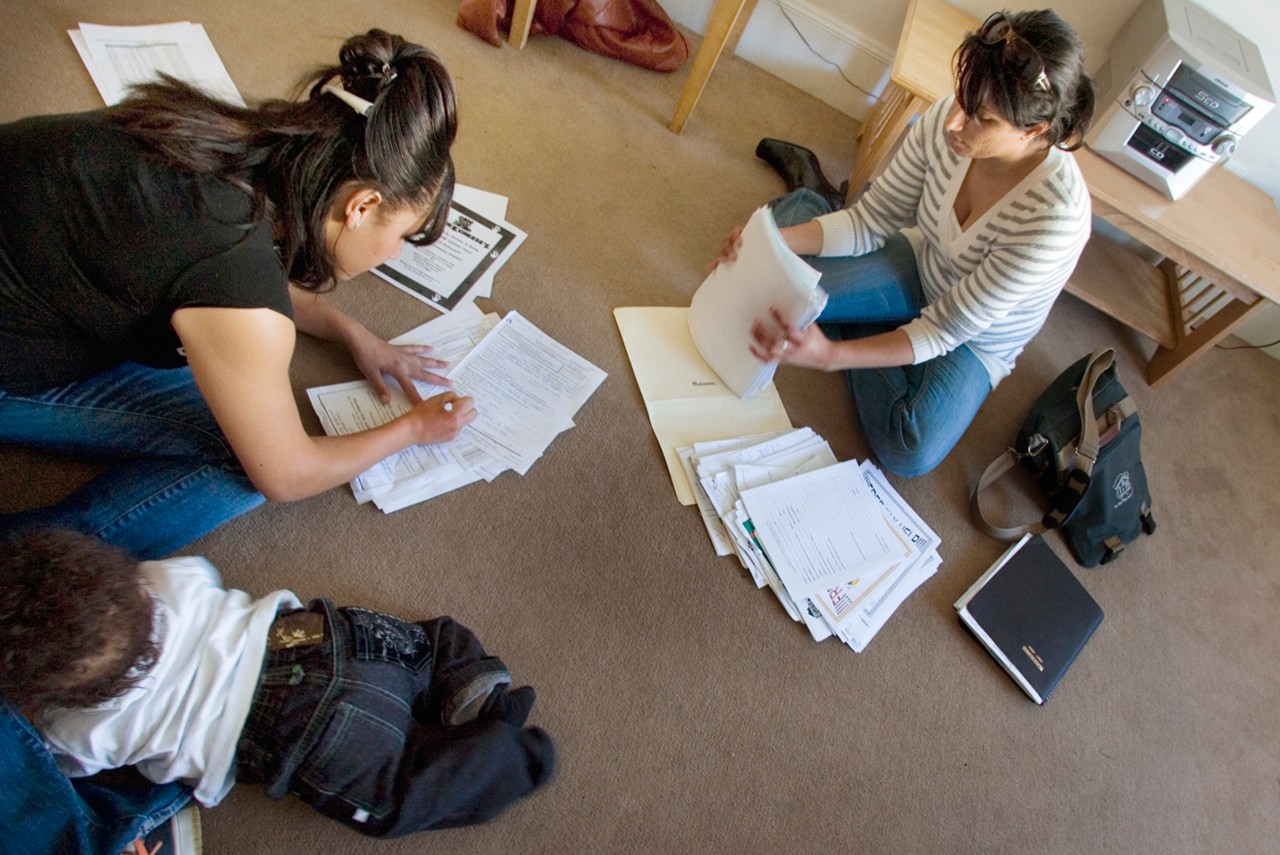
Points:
[(419, 470), (527, 386), (822, 528), (119, 57), (459, 266)]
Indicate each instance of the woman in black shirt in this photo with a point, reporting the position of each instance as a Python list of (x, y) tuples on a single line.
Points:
[(157, 259)]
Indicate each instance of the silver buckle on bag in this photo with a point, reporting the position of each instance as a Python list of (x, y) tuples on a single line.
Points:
[(1035, 445)]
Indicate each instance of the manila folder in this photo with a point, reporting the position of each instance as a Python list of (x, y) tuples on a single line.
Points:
[(686, 401)]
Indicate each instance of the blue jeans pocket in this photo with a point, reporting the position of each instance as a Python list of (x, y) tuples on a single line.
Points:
[(382, 638), (353, 766)]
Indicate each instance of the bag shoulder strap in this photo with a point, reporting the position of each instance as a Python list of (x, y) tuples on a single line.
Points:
[(1077, 481), (993, 473), (1087, 448)]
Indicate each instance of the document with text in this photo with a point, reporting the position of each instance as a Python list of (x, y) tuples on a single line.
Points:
[(822, 527), (121, 57), (459, 267), (527, 387), (420, 471)]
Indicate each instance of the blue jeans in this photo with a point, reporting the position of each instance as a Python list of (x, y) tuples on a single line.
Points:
[(43, 811), (911, 416), (172, 476), (388, 726)]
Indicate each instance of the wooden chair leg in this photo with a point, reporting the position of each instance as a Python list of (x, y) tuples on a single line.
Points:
[(881, 132), (521, 21), (724, 20)]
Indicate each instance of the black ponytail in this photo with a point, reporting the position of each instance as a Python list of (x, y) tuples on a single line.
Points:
[(293, 157)]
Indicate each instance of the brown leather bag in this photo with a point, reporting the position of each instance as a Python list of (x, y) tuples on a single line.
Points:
[(635, 31)]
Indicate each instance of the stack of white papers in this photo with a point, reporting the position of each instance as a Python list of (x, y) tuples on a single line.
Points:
[(527, 388), (834, 541), (121, 57), (766, 274), (459, 267)]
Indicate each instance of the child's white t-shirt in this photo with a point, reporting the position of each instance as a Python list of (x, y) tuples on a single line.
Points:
[(183, 719)]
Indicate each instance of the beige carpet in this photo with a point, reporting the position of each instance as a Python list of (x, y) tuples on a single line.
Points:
[(691, 714)]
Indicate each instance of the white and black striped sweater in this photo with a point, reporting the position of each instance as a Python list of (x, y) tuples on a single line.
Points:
[(992, 285)]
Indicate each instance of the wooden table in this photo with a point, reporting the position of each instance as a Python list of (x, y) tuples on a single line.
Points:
[(1220, 242), (917, 81), (921, 75), (521, 21)]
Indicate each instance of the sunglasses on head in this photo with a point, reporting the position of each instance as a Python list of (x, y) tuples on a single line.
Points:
[(1019, 55)]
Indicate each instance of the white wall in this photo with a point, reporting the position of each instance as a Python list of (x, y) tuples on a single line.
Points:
[(860, 36)]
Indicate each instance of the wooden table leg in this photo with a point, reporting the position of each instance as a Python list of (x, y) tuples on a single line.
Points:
[(1166, 362), (723, 24), (884, 127), (521, 21)]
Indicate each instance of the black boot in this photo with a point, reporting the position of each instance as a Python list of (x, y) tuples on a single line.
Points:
[(799, 167)]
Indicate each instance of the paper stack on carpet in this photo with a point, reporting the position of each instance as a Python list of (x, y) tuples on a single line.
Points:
[(526, 385), (834, 541)]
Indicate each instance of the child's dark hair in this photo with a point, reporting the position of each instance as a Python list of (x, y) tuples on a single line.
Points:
[(987, 73), (75, 622), (293, 157)]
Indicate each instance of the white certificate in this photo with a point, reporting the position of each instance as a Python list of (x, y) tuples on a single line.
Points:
[(448, 272)]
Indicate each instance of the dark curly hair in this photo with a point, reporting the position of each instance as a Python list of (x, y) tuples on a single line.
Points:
[(75, 622)]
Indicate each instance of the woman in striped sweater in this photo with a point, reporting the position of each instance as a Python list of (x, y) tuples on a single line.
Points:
[(948, 265)]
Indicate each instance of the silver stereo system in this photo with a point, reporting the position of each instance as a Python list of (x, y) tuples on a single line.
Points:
[(1180, 90)]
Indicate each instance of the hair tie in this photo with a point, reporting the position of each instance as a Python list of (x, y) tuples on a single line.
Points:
[(387, 75), (355, 102)]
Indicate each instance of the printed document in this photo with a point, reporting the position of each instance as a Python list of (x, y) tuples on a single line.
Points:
[(459, 266), (835, 542), (527, 387), (822, 528), (420, 471), (856, 616), (120, 57)]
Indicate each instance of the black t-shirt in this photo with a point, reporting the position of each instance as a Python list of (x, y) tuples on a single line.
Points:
[(100, 243)]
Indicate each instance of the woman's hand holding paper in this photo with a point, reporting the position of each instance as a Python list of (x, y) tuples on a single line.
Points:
[(728, 249), (777, 339)]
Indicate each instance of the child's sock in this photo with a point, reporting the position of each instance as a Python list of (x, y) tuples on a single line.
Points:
[(512, 706), (542, 755)]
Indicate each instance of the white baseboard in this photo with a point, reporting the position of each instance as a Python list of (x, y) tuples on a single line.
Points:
[(771, 42)]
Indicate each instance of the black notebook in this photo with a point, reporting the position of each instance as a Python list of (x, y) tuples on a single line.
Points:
[(1031, 614)]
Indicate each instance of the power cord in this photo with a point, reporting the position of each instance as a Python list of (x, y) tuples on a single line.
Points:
[(1249, 346), (790, 21)]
